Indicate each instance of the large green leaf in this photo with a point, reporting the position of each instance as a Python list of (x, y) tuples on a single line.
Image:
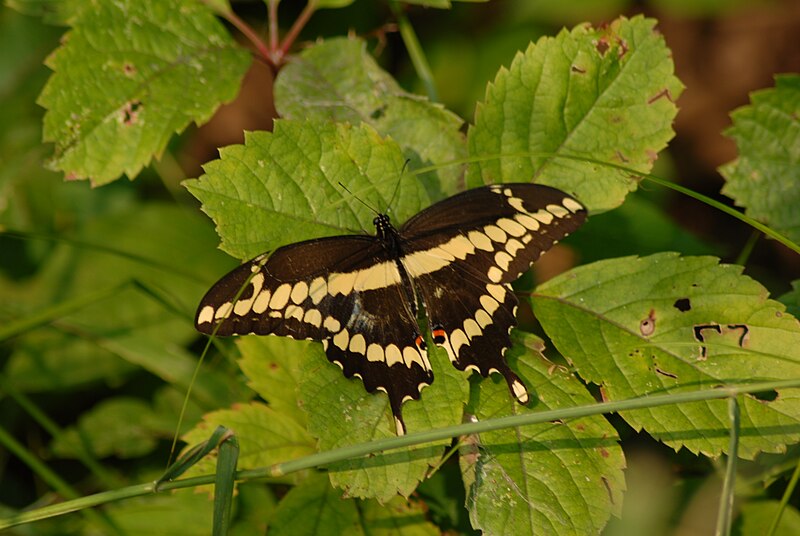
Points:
[(666, 324), (341, 413), (764, 177), (265, 437), (602, 93), (129, 75), (282, 187), (313, 507), (556, 478), (337, 79)]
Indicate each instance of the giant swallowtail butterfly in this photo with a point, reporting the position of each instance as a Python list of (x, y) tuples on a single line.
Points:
[(360, 294)]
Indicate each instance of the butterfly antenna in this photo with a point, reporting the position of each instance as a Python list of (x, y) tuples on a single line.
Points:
[(399, 179), (346, 189)]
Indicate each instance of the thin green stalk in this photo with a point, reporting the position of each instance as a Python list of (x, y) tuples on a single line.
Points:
[(107, 478), (747, 250), (326, 458), (51, 478), (415, 51), (725, 513), (787, 494)]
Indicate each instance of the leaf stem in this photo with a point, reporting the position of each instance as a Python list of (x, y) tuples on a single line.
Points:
[(294, 31), (787, 494), (728, 485), (415, 51), (417, 438), (251, 36)]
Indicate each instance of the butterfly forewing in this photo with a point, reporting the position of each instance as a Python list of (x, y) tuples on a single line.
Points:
[(345, 291), (358, 294)]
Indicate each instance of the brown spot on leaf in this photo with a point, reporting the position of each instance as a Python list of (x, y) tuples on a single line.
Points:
[(667, 374), (130, 112), (579, 70), (129, 69), (602, 45), (648, 326), (663, 94)]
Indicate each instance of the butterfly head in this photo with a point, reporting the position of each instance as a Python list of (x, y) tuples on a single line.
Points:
[(383, 225)]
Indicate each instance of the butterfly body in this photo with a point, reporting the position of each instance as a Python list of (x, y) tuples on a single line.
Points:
[(360, 294)]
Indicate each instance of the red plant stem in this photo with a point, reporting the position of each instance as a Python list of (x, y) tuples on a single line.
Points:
[(250, 34), (301, 21), (273, 24)]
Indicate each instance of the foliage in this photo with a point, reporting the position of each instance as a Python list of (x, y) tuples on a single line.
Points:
[(100, 312)]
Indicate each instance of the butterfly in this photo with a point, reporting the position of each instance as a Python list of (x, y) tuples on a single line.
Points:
[(360, 295)]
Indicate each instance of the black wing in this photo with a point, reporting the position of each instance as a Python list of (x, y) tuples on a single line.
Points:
[(344, 291), (464, 252)]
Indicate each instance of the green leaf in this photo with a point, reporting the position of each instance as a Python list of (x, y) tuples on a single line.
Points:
[(756, 516), (340, 413), (282, 187), (338, 80), (556, 478), (154, 67), (273, 371), (183, 512), (116, 427), (663, 324), (763, 178), (265, 437), (313, 507), (605, 94)]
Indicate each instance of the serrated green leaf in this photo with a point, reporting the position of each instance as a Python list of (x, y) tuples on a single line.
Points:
[(339, 80), (558, 478), (340, 413), (282, 187), (273, 371), (265, 437), (637, 326), (600, 93), (116, 427), (154, 68), (763, 178)]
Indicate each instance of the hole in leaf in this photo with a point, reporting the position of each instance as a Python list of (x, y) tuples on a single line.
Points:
[(766, 396), (130, 112), (682, 304)]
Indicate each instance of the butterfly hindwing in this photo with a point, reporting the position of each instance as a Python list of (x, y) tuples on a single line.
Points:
[(464, 252)]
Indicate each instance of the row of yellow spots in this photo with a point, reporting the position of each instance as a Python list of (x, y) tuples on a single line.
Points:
[(473, 327), (391, 354)]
